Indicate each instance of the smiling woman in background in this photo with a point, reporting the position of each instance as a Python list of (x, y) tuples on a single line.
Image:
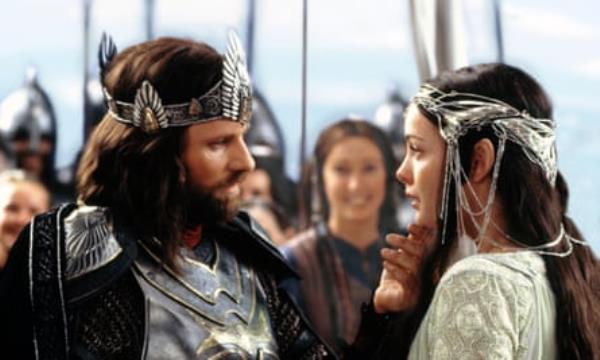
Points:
[(338, 258), (21, 198)]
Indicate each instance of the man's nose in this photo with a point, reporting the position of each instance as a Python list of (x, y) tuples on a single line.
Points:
[(242, 159)]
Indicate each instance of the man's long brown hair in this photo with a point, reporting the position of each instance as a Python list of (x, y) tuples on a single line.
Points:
[(140, 176)]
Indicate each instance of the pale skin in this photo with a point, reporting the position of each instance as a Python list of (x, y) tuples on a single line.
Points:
[(421, 173), (354, 184), (19, 202)]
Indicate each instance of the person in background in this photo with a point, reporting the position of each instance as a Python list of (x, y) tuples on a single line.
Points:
[(261, 200), (338, 258), (28, 125), (6, 158), (22, 196)]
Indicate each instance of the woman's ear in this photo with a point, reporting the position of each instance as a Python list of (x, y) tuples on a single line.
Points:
[(482, 160)]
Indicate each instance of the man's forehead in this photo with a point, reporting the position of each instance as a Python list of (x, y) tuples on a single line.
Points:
[(218, 128)]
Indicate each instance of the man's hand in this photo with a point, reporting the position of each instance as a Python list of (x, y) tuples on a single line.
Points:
[(399, 286)]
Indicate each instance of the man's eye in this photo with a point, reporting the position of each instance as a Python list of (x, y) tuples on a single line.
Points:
[(218, 142)]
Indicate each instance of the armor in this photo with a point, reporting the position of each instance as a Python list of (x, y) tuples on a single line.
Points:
[(93, 291), (264, 137), (213, 310), (389, 116), (27, 114), (267, 145), (6, 156)]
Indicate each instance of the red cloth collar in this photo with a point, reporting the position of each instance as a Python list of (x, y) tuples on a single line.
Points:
[(191, 237)]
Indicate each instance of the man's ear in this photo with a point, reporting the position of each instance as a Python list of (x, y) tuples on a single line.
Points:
[(482, 160)]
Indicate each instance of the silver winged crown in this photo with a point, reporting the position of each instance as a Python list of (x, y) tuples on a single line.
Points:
[(229, 98)]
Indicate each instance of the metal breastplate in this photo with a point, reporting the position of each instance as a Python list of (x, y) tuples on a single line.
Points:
[(214, 310)]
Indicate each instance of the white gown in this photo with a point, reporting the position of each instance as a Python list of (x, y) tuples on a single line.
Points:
[(490, 306)]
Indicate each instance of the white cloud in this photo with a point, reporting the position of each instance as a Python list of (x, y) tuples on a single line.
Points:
[(192, 14), (69, 90), (578, 100), (591, 68), (332, 93), (342, 94), (552, 24), (337, 24)]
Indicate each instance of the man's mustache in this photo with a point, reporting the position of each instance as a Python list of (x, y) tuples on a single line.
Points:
[(234, 178)]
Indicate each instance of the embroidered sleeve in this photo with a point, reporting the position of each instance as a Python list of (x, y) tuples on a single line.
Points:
[(477, 314)]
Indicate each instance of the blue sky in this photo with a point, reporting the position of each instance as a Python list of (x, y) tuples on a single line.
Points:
[(357, 51)]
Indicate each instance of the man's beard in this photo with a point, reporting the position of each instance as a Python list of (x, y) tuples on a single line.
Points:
[(204, 208)]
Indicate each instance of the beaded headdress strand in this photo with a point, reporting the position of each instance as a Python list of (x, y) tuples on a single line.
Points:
[(456, 114)]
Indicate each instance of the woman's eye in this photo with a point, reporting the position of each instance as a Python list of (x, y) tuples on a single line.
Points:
[(414, 148), (11, 208), (341, 169), (370, 168)]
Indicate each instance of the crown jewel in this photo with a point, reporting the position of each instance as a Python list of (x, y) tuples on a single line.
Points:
[(229, 98)]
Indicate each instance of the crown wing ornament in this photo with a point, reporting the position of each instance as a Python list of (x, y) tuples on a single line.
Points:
[(148, 112), (237, 91), (229, 98), (106, 53)]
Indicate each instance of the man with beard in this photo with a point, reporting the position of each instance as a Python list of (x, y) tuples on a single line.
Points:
[(154, 261)]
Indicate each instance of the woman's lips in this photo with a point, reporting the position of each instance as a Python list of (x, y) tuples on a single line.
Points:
[(415, 204), (415, 201)]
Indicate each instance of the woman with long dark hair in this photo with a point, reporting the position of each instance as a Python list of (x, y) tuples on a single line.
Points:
[(510, 276), (338, 256)]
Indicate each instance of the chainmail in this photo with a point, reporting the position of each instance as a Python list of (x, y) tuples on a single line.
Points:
[(294, 339), (111, 324)]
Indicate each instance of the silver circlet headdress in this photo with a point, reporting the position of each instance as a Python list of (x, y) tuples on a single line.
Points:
[(229, 98), (456, 114)]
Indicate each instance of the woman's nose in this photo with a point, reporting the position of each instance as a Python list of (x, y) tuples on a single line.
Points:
[(403, 172)]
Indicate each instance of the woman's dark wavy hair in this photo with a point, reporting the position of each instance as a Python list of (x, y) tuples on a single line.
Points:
[(342, 130), (533, 208), (140, 176)]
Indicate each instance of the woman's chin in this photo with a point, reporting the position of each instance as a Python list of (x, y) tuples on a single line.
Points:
[(424, 221)]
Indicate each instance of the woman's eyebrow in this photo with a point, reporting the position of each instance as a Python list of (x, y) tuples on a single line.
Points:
[(415, 137)]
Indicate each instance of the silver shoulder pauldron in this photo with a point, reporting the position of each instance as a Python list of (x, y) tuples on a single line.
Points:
[(89, 241)]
